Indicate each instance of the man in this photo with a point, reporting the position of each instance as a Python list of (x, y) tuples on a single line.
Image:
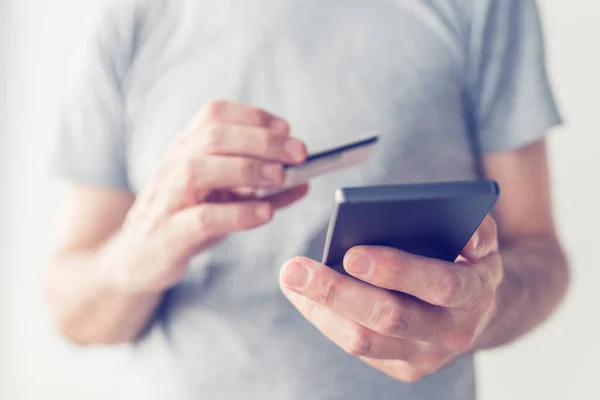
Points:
[(180, 108)]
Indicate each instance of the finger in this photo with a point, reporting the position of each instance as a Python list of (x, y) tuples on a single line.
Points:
[(483, 242), (259, 142), (453, 285), (192, 226), (379, 310), (219, 172), (399, 370), (285, 199), (278, 200), (406, 372), (352, 337), (490, 267), (241, 114), (243, 193)]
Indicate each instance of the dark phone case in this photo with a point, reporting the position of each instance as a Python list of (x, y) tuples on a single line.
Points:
[(435, 220)]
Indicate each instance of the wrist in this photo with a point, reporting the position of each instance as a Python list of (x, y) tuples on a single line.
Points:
[(505, 316), (116, 270)]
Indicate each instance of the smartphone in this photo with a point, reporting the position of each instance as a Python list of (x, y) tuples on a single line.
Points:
[(343, 156), (435, 220)]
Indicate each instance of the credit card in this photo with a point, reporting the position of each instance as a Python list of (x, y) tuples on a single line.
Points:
[(344, 156)]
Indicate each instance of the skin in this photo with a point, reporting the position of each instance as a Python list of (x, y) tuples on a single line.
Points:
[(510, 278), (404, 315), (119, 254)]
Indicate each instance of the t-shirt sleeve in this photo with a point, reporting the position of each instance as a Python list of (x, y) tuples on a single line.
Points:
[(90, 141), (508, 85)]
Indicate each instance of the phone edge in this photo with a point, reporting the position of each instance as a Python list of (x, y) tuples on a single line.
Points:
[(383, 193)]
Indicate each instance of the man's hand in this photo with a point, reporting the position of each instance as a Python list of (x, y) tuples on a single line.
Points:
[(118, 253), (405, 315), (202, 191)]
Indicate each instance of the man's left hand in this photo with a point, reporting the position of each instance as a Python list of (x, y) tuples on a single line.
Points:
[(404, 315)]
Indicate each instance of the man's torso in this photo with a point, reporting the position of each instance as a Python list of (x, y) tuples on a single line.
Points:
[(334, 70)]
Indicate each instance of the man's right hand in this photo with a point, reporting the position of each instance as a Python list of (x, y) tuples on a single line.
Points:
[(196, 196)]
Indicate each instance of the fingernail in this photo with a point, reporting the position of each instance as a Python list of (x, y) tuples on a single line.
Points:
[(263, 212), (296, 275), (359, 264), (295, 149), (475, 240), (272, 172), (278, 126)]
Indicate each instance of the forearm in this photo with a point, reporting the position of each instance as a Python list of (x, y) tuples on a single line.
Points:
[(87, 307), (536, 279)]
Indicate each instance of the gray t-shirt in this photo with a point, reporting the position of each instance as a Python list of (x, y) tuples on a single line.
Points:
[(444, 80)]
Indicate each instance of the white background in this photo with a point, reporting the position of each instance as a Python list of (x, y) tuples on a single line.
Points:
[(558, 362), (3, 167)]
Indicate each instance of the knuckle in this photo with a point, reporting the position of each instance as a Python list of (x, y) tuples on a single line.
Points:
[(212, 137), (285, 126), (142, 222), (279, 126), (357, 343), (213, 109), (390, 318), (266, 141), (328, 292), (255, 116), (202, 221), (249, 170), (186, 176), (449, 289)]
